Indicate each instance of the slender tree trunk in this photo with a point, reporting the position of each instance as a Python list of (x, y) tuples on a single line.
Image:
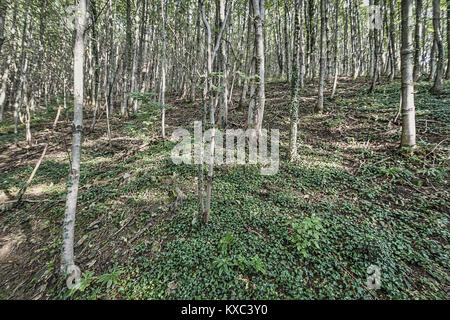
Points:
[(3, 8), (336, 32), (209, 97), (418, 40), (223, 96), (392, 35), (3, 89), (345, 44), (433, 61), (260, 95), (127, 63), (95, 64), (67, 262), (376, 55), (286, 41), (319, 105), (327, 39), (301, 54), (163, 70), (447, 76), (439, 45), (18, 102), (408, 108), (248, 61), (295, 81)]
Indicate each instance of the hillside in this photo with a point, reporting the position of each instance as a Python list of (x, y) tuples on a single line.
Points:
[(352, 199)]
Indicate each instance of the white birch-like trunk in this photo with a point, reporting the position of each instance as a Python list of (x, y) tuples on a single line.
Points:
[(408, 108), (163, 71), (71, 201)]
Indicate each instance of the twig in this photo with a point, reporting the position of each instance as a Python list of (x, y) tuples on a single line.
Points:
[(435, 147), (381, 161), (36, 167), (352, 276), (140, 232)]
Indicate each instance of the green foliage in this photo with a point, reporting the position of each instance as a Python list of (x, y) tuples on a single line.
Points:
[(110, 279), (148, 100), (226, 242), (306, 233), (309, 232)]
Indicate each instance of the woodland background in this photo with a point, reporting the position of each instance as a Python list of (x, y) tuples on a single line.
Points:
[(91, 92)]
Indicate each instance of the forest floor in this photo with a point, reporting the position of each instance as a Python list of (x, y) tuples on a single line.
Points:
[(352, 200)]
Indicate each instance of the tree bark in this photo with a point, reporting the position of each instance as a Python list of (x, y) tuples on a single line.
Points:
[(127, 63), (418, 40), (319, 105), (3, 9), (408, 109), (260, 95), (295, 80), (163, 70), (74, 178), (336, 47), (223, 96), (439, 46), (376, 56), (447, 76)]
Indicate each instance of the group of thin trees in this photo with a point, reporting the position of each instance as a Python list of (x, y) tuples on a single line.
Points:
[(137, 46), (106, 54)]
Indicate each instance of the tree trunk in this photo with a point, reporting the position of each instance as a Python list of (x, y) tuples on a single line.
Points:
[(393, 41), (260, 95), (439, 46), (418, 40), (447, 76), (163, 70), (127, 63), (3, 8), (336, 31), (295, 80), (67, 262), (376, 55), (223, 96), (408, 108), (319, 105)]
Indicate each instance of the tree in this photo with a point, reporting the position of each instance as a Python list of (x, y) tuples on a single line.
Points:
[(295, 79), (418, 40), (392, 39), (163, 71), (211, 54), (74, 178), (408, 109), (448, 40), (5, 76), (335, 40), (127, 62), (3, 8), (223, 94), (319, 105), (376, 54), (257, 114), (439, 45)]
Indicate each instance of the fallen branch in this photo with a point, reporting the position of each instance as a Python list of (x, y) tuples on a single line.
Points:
[(140, 232), (435, 147), (36, 167)]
